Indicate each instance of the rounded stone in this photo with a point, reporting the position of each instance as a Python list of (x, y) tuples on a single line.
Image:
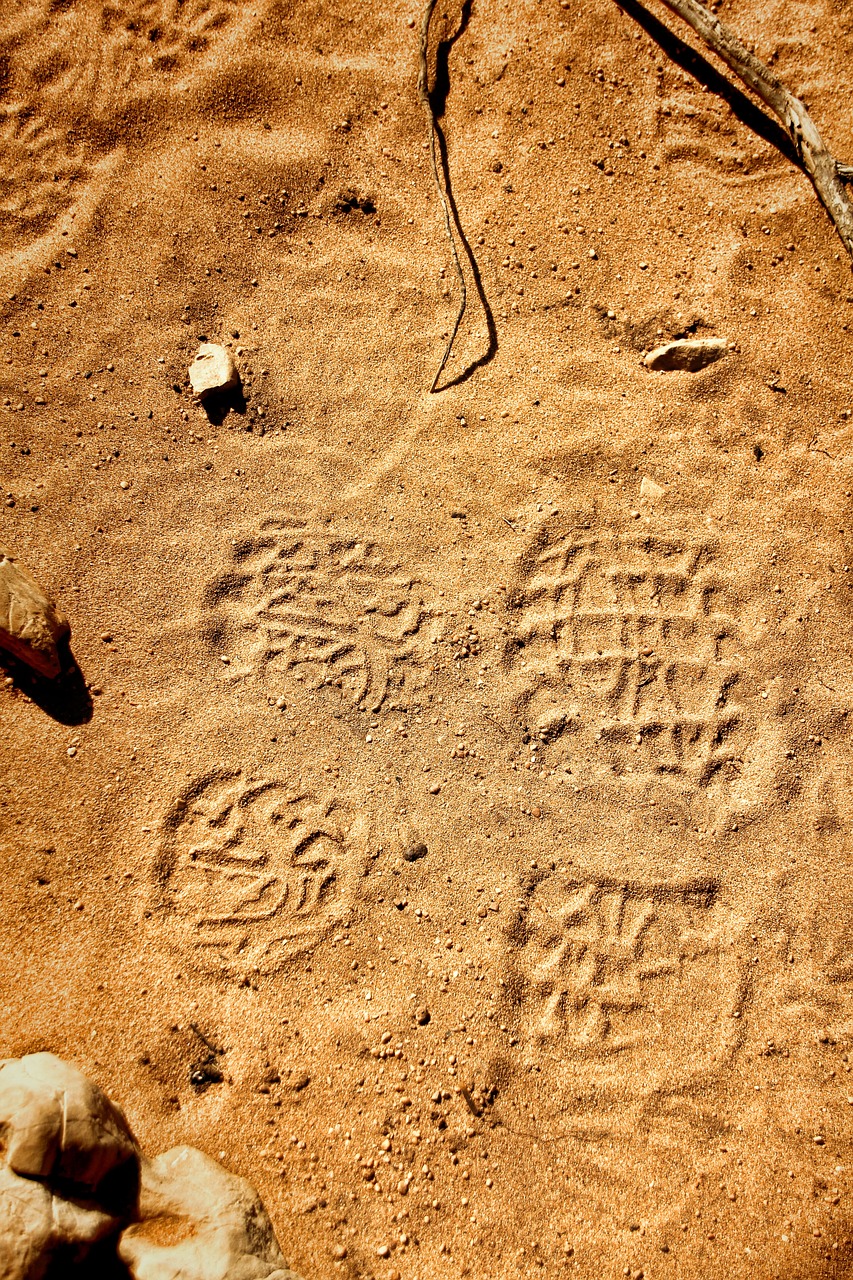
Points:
[(56, 1124)]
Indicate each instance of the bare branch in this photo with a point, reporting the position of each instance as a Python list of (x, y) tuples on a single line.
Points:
[(826, 173), (424, 95)]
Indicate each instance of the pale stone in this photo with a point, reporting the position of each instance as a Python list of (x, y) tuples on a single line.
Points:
[(31, 626), (36, 1225), (649, 489), (56, 1124), (26, 1227), (688, 354), (74, 1190), (199, 1222), (212, 370)]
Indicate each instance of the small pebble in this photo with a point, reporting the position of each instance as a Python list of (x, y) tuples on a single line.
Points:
[(414, 852), (422, 1016), (649, 489)]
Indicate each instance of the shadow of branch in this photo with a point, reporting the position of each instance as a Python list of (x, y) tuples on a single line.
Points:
[(681, 53)]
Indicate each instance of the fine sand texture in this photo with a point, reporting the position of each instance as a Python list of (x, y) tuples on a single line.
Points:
[(444, 820)]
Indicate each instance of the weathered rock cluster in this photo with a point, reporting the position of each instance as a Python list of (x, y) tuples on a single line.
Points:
[(78, 1198)]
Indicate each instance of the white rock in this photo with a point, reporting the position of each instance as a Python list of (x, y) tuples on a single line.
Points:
[(56, 1124), (69, 1171), (36, 1225), (199, 1222), (75, 1190), (26, 1227), (31, 626), (689, 354), (649, 489), (212, 370)]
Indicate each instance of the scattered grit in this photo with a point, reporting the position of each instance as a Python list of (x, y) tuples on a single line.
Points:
[(577, 629)]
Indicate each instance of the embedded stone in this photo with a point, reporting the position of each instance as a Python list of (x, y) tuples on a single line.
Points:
[(686, 354), (650, 490)]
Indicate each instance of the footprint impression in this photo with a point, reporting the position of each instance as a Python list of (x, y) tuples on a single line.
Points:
[(252, 874), (72, 72), (628, 644), (317, 605), (616, 989)]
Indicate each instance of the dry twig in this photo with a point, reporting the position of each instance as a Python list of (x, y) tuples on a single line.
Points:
[(424, 94), (826, 173)]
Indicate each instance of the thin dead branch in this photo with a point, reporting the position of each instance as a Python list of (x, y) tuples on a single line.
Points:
[(426, 100), (471, 1104), (826, 173)]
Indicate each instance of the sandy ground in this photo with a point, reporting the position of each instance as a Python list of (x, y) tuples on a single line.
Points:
[(602, 1026)]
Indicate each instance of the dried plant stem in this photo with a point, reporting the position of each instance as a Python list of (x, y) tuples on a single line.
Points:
[(424, 95), (826, 173)]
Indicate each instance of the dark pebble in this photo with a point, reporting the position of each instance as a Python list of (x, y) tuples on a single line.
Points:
[(414, 852), (204, 1076)]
